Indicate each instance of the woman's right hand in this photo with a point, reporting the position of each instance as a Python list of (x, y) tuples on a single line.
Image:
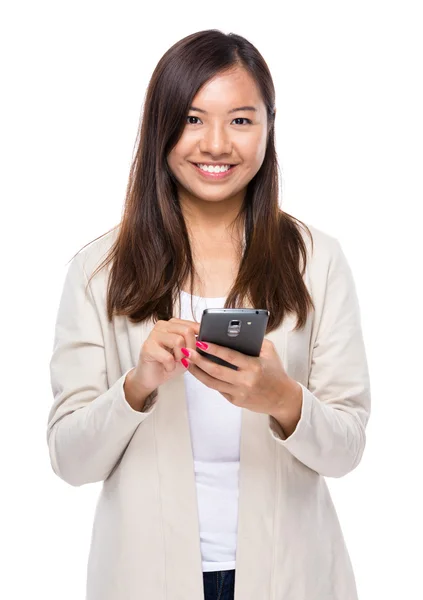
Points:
[(160, 356)]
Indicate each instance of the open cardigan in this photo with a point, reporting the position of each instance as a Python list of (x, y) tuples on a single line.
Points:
[(145, 541)]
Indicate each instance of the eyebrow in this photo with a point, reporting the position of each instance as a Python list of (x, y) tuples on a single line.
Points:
[(253, 108)]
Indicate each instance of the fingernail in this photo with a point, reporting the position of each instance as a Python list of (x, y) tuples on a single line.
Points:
[(202, 345), (185, 362), (185, 351)]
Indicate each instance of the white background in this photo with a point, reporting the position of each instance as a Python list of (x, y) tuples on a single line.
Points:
[(349, 132)]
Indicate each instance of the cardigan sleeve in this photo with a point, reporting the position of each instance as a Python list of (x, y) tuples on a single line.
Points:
[(90, 424), (330, 435)]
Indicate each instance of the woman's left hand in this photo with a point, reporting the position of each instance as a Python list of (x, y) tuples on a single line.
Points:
[(260, 384)]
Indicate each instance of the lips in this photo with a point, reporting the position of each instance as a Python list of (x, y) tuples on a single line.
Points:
[(215, 164), (214, 176)]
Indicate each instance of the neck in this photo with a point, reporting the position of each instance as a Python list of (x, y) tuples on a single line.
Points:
[(213, 219)]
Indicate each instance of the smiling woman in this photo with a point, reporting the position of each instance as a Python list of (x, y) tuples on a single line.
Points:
[(213, 478)]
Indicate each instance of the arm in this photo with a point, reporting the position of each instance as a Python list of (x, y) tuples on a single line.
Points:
[(89, 424), (327, 428)]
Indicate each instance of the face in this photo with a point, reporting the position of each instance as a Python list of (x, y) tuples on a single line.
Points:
[(216, 133)]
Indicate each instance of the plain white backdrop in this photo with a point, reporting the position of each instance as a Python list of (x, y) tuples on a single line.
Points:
[(349, 132)]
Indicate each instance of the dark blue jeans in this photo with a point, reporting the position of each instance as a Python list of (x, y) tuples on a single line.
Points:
[(219, 585)]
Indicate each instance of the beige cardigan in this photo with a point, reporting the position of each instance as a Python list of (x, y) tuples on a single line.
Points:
[(145, 540)]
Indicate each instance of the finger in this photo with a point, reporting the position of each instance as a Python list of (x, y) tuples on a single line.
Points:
[(210, 381), (216, 371), (186, 323), (176, 336), (234, 357), (172, 342), (187, 329), (155, 351)]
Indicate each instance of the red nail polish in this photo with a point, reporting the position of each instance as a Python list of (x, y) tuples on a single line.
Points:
[(185, 362), (202, 345), (185, 351)]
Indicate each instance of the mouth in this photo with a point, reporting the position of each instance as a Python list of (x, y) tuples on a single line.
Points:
[(214, 176)]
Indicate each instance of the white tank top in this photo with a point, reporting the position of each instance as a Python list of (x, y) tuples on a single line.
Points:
[(215, 426)]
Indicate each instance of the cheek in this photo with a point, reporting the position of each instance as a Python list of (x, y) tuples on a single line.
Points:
[(253, 149), (178, 153), (185, 146), (261, 153), (177, 165), (261, 143)]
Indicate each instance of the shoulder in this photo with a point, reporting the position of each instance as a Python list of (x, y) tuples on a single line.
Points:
[(93, 254), (322, 247)]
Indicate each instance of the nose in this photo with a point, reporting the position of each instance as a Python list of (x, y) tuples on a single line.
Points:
[(215, 141)]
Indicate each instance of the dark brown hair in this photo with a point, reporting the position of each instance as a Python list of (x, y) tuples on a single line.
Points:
[(151, 254)]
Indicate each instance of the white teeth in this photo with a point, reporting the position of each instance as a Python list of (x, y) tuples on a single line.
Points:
[(214, 169)]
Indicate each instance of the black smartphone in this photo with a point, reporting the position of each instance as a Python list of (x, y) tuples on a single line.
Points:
[(242, 329)]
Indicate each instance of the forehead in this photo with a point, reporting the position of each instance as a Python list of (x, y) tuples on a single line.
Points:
[(228, 90)]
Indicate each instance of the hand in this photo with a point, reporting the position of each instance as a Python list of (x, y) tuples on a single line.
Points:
[(260, 384), (160, 356)]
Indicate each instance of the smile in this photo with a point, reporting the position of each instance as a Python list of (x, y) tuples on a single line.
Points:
[(213, 176)]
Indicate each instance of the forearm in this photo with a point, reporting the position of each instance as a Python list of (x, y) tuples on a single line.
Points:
[(327, 438), (86, 441), (91, 422)]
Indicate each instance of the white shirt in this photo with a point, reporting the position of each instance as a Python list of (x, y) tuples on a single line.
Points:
[(215, 426)]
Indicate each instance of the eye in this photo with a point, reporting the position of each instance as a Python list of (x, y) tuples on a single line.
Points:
[(249, 122), (243, 119)]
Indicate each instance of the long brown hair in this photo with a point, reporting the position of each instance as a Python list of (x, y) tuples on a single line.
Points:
[(151, 253)]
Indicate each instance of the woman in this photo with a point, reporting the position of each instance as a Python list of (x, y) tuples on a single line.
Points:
[(213, 479)]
